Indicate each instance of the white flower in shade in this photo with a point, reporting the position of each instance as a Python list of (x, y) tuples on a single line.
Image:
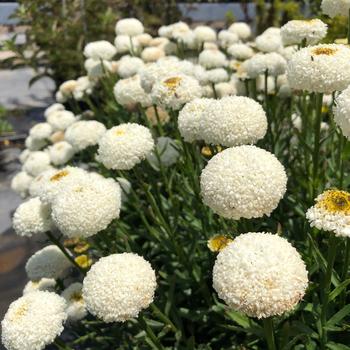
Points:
[(212, 59), (60, 120), (260, 274), (174, 91), (272, 62), (36, 163), (233, 121), (331, 212), (341, 112), (128, 92), (32, 217), (33, 321), (61, 152), (40, 131), (225, 89), (260, 84), (334, 8), (207, 91), (48, 262), (126, 44), (36, 186), (129, 26), (143, 39), (268, 42), (67, 88), (84, 86), (60, 98), (240, 51), (100, 50), (244, 181), (322, 68), (53, 182), (21, 182), (287, 52), (84, 133), (124, 146), (152, 54), (167, 31), (34, 145), (97, 68), (296, 31), (119, 286), (187, 38), (87, 207), (129, 66), (76, 308), (227, 38), (190, 118), (24, 155), (53, 108), (204, 34), (217, 75), (45, 284), (241, 29), (157, 115)]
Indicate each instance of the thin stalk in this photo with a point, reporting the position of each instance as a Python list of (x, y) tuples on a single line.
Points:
[(344, 274), (54, 240), (332, 250), (269, 333), (316, 151), (214, 90), (152, 337), (340, 160), (349, 27), (61, 344)]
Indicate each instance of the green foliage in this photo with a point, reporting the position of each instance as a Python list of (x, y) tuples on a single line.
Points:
[(5, 126)]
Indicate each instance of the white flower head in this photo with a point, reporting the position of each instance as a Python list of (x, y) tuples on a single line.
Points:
[(296, 31), (126, 44), (227, 38), (60, 120), (36, 163), (119, 286), (76, 308), (244, 181), (43, 285), (212, 59), (273, 63), (97, 68), (129, 26), (53, 108), (34, 145), (331, 212), (204, 34), (260, 274), (224, 89), (67, 88), (32, 217), (322, 68), (241, 29), (21, 182), (174, 91), (124, 146), (268, 42), (61, 152), (216, 75), (152, 54), (129, 66), (33, 321), (341, 112), (143, 39), (48, 262), (37, 184), (334, 8), (100, 50), (40, 131), (84, 133), (240, 51)]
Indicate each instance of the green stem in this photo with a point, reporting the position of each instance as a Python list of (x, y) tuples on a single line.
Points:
[(269, 333), (332, 250), (56, 241), (152, 337), (349, 27), (317, 134), (214, 90), (61, 344), (344, 274)]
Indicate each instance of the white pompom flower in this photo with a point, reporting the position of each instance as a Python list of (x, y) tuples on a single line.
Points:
[(323, 68), (334, 8), (341, 112), (268, 42), (241, 29), (174, 91), (129, 66), (124, 146), (233, 121), (129, 26), (48, 262), (126, 44), (100, 50), (119, 286), (84, 133), (21, 182), (331, 212), (216, 75), (204, 34), (32, 217), (60, 120), (34, 145), (61, 152), (33, 321), (37, 185), (152, 54), (76, 307), (260, 274), (240, 51), (40, 131), (272, 63), (36, 163), (296, 31), (86, 207), (212, 59), (243, 182), (43, 285), (227, 38), (224, 89), (53, 108)]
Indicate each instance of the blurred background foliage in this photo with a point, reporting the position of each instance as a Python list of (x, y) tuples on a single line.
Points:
[(57, 30)]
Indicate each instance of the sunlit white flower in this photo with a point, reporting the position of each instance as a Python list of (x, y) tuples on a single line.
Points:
[(260, 274), (227, 38), (36, 163), (34, 145), (333, 8), (33, 321), (24, 155), (84, 86), (152, 54), (272, 62), (36, 186), (241, 29), (126, 44), (119, 286), (21, 182), (76, 308), (217, 75), (225, 89), (40, 131), (268, 42), (60, 120), (212, 59), (53, 108), (129, 66), (240, 51), (129, 26), (100, 50), (143, 39), (204, 34), (67, 88), (61, 152), (45, 284), (97, 68), (244, 181)]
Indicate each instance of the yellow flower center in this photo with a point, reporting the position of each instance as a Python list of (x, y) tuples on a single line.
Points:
[(335, 201), (329, 51), (81, 247), (218, 242), (59, 175), (76, 297), (83, 261), (120, 132), (20, 311), (172, 83)]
